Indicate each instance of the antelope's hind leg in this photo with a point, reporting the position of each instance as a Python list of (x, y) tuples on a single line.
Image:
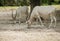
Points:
[(51, 22), (55, 21)]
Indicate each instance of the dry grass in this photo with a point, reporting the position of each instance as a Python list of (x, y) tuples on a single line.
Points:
[(57, 6), (15, 7), (8, 8)]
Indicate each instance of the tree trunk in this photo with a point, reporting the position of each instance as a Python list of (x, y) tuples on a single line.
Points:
[(34, 3)]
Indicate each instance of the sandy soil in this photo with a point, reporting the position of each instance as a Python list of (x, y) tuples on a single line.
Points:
[(16, 32), (29, 36)]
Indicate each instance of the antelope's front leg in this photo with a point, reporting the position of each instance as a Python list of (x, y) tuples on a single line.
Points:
[(40, 21)]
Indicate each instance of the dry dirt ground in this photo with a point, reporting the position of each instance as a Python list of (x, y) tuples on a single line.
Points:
[(19, 32)]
